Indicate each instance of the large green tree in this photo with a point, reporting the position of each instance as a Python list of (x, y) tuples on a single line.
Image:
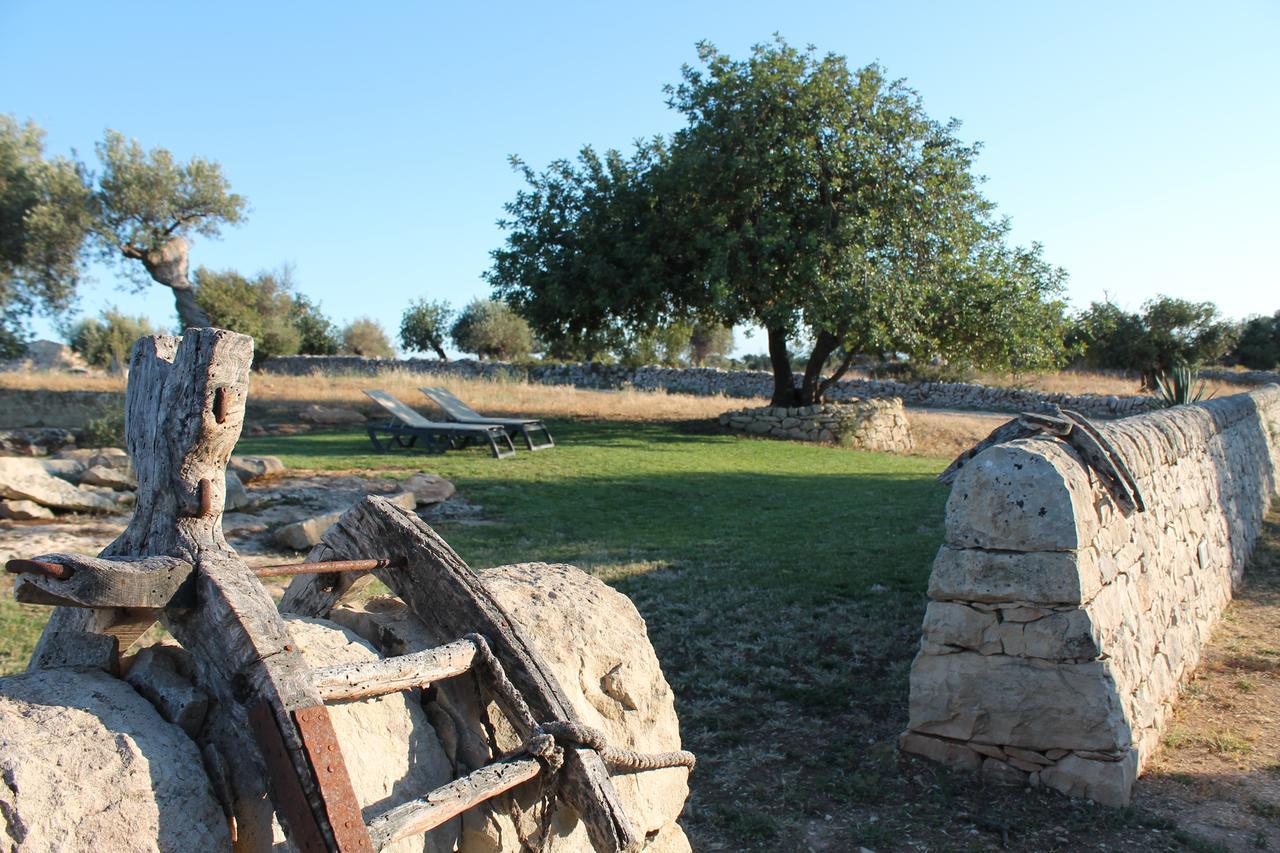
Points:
[(819, 203), (424, 327), (490, 329), (44, 218), (139, 211), (1167, 332)]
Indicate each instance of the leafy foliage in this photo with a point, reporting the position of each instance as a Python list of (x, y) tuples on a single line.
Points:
[(316, 333), (44, 220), (424, 326), (262, 307), (819, 203), (1166, 333), (491, 329), (142, 206), (107, 341), (1259, 344), (366, 337)]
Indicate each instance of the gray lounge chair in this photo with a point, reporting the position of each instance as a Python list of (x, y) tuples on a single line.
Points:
[(456, 410), (406, 428)]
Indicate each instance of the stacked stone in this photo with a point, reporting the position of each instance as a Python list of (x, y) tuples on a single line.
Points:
[(879, 425), (1059, 629), (708, 381)]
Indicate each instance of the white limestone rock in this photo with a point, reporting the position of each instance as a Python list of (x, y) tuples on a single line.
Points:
[(90, 765)]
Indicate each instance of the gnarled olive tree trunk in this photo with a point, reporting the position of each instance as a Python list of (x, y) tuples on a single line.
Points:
[(167, 264)]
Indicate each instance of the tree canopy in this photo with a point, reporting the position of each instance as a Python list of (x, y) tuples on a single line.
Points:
[(490, 329), (365, 337), (261, 307), (1166, 333), (424, 327), (107, 341), (819, 203), (141, 207)]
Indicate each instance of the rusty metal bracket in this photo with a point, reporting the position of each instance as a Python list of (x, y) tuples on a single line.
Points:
[(330, 770)]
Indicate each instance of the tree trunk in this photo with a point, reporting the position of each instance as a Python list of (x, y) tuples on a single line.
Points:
[(167, 264), (439, 348), (785, 392), (812, 388)]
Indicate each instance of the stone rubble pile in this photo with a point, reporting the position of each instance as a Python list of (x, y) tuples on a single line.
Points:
[(710, 381), (1058, 629), (879, 425)]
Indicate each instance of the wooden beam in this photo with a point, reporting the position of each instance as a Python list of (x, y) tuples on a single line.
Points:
[(147, 583), (347, 681), (448, 801)]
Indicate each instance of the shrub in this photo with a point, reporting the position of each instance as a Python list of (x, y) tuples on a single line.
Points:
[(365, 337), (424, 326), (492, 330), (107, 341)]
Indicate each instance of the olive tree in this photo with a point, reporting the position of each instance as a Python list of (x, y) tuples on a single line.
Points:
[(424, 326), (140, 211)]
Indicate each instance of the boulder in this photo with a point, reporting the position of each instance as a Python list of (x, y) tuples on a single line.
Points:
[(23, 511), (330, 415), (236, 497), (596, 645), (68, 469), (250, 468), (35, 441), (26, 479), (391, 751), (429, 488), (305, 534), (88, 764), (112, 478)]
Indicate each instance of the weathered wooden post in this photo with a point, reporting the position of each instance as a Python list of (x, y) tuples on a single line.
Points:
[(184, 409)]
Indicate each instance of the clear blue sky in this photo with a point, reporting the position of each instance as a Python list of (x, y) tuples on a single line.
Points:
[(1137, 141)]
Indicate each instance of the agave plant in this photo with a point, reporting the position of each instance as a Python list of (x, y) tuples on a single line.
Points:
[(1178, 387)]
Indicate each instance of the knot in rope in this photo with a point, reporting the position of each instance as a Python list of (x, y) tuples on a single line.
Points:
[(576, 734)]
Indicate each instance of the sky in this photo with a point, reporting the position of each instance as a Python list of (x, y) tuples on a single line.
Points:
[(1136, 141)]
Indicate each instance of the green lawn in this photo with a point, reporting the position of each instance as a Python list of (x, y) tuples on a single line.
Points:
[(783, 585)]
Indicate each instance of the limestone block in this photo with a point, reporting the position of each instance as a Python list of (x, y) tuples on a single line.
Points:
[(1016, 701), (304, 535), (89, 765), (1027, 495), (23, 510), (250, 468), (26, 479), (946, 752), (953, 624), (1107, 782), (1042, 577), (429, 488)]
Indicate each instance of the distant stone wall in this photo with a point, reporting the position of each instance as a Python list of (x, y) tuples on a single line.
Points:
[(21, 408), (707, 381), (879, 425), (1058, 629)]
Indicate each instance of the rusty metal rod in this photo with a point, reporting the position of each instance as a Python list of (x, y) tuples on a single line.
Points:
[(57, 571), (325, 567)]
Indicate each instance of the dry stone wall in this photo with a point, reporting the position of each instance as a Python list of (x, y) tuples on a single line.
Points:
[(860, 424), (709, 381), (1058, 630)]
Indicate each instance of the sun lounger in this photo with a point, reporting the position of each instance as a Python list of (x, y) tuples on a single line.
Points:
[(407, 428), (456, 410)]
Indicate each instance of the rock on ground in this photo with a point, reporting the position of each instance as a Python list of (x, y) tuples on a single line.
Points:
[(595, 642), (236, 497), (429, 488), (88, 764), (35, 441), (112, 478), (305, 534), (596, 645), (26, 479), (250, 468), (24, 511)]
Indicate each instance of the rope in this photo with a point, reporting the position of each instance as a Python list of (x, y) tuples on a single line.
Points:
[(576, 734), (545, 740)]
